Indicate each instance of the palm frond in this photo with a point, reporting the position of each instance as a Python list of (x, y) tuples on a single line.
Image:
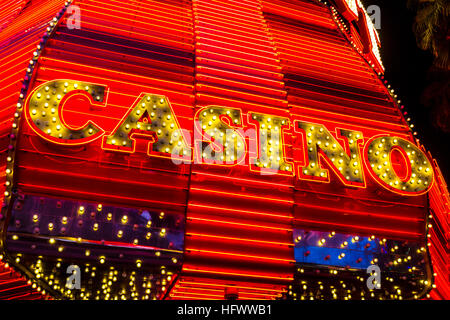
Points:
[(431, 28)]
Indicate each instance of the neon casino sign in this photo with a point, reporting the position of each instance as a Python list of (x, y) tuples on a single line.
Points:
[(221, 136), (220, 139)]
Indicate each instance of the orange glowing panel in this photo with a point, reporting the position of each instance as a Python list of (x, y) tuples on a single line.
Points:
[(348, 8)]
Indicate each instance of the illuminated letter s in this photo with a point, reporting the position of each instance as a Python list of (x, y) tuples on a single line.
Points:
[(221, 141)]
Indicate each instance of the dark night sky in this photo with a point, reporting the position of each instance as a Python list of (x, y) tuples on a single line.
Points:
[(406, 71)]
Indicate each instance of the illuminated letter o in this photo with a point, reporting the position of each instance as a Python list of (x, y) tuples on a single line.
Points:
[(419, 177)]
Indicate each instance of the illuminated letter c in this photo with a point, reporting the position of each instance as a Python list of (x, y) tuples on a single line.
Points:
[(44, 111)]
